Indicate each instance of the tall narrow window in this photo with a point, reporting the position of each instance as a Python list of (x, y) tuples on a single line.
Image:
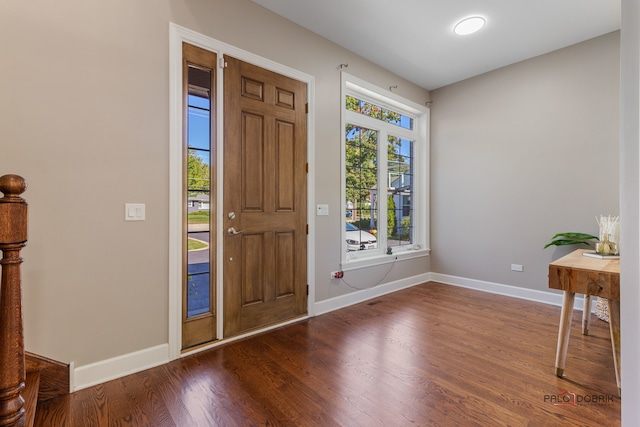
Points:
[(361, 153), (198, 192), (198, 243), (400, 192), (385, 175)]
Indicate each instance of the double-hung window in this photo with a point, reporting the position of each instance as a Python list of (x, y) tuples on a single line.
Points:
[(385, 175)]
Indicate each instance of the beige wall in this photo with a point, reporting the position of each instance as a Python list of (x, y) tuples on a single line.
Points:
[(84, 117), (522, 153)]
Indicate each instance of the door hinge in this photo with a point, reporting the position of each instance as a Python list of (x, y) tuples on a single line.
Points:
[(307, 289), (223, 63), (307, 167), (306, 108), (307, 228)]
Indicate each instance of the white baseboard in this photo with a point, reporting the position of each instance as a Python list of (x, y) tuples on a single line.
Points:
[(367, 294), (507, 290), (116, 367), (119, 366)]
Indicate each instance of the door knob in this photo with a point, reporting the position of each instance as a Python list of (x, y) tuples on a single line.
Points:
[(232, 231)]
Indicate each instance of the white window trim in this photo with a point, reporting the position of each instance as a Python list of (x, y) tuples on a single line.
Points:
[(361, 89)]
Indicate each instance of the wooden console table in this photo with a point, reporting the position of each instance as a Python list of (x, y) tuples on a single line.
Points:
[(591, 277)]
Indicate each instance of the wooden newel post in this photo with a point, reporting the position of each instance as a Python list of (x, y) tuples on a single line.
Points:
[(13, 237)]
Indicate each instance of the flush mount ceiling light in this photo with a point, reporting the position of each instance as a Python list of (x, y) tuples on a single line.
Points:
[(469, 25)]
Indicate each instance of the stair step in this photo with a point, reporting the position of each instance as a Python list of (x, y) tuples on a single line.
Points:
[(30, 396), (54, 376)]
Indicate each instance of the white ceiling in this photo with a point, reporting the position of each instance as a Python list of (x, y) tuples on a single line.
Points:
[(415, 39)]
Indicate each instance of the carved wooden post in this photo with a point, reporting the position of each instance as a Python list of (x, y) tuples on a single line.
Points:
[(13, 237)]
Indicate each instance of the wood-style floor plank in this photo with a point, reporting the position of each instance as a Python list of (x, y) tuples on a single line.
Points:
[(431, 355)]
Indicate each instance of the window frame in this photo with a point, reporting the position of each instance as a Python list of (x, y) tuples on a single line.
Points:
[(360, 89)]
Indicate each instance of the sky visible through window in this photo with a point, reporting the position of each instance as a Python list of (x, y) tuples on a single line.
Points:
[(198, 121)]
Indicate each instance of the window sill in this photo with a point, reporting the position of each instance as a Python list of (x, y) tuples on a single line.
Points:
[(383, 259)]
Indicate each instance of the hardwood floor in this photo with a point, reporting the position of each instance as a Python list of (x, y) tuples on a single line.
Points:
[(431, 355)]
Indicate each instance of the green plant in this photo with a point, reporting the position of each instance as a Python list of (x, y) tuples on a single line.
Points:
[(391, 216), (364, 224), (565, 239), (405, 234)]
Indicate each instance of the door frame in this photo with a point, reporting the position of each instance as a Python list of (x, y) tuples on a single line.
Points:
[(178, 35)]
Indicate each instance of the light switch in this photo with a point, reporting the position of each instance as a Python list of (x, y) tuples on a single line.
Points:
[(134, 212), (322, 210)]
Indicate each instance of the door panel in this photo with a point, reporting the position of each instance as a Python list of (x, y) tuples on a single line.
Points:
[(285, 260), (253, 162), (285, 174), (265, 189), (253, 268)]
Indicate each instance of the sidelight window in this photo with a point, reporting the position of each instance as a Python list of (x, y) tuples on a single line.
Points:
[(198, 182)]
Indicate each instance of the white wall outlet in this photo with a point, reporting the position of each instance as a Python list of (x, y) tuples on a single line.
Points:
[(134, 212), (516, 267)]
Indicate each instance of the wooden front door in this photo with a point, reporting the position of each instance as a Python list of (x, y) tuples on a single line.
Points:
[(265, 198)]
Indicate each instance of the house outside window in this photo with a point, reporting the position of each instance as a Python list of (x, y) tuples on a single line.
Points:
[(385, 161)]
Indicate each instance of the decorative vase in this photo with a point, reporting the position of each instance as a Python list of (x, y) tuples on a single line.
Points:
[(606, 247)]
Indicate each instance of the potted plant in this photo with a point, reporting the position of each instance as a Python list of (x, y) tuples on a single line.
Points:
[(565, 239)]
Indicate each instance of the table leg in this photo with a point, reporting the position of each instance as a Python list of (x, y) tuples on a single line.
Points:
[(564, 331), (614, 327), (586, 315)]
